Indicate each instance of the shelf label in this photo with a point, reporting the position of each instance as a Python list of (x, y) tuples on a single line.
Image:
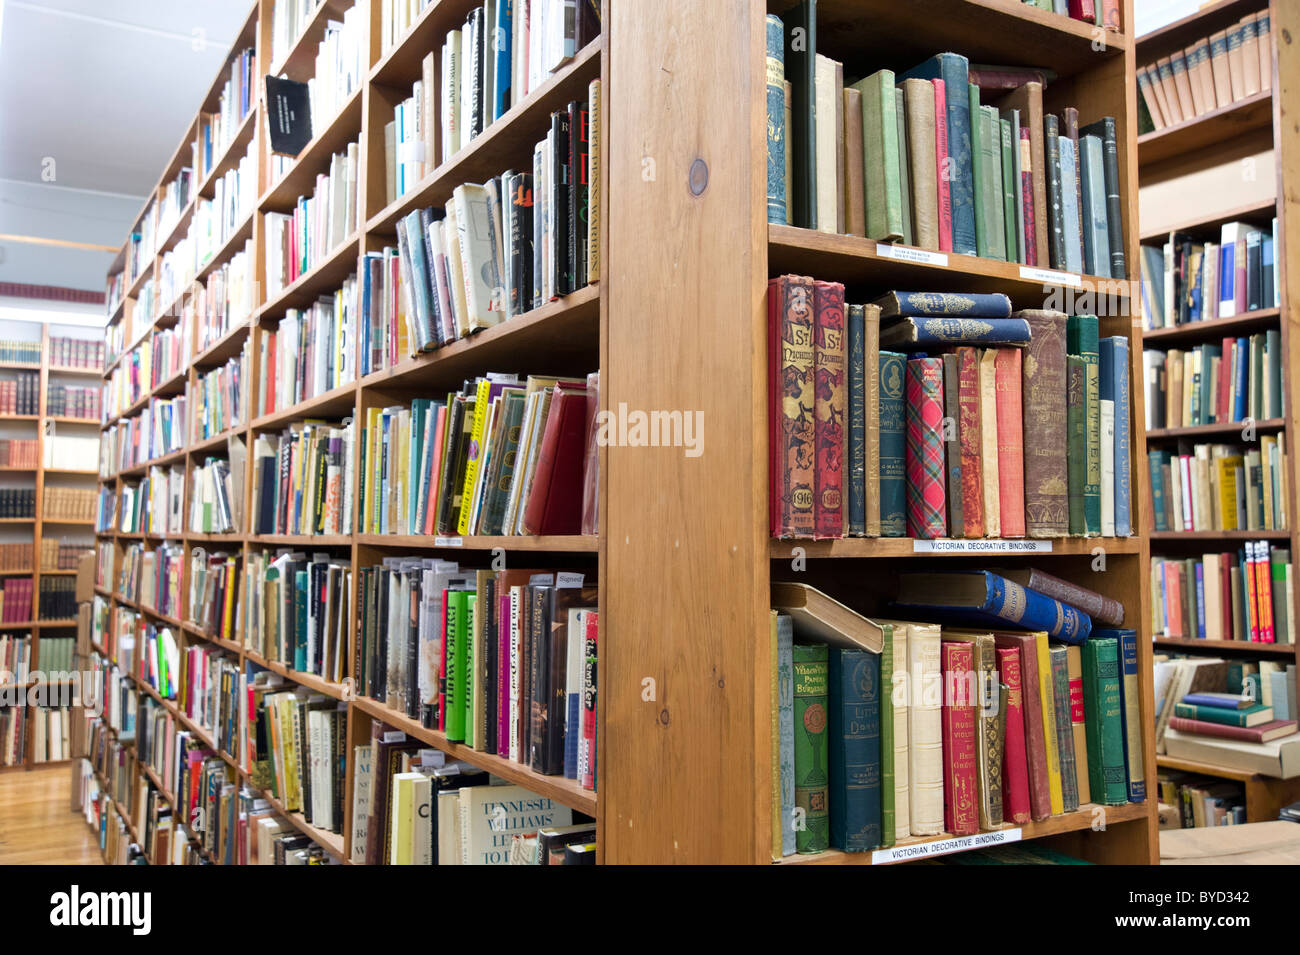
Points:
[(978, 546), (394, 736), (567, 579), (945, 847), (449, 542), (906, 253), (434, 758), (1050, 276)]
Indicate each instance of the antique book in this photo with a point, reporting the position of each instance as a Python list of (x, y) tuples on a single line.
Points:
[(801, 142), (1011, 446), (982, 305), (1015, 770), (774, 62), (1093, 212), (1192, 57), (1046, 476), (1219, 69), (1025, 646), (829, 81), (960, 794), (853, 739), (811, 746), (905, 332), (1074, 671), (1051, 738), (830, 408), (919, 96), (952, 444), (1130, 709), (1104, 129), (1149, 96), (943, 190), (818, 616), (892, 441), (1263, 30), (1010, 215), (989, 463), (1182, 86), (783, 735), (1236, 60), (880, 174), (1113, 373), (968, 428), (1081, 341), (1064, 727), (855, 452), (1102, 708), (904, 169), (1071, 228), (979, 152), (1029, 100), (925, 729), (991, 166), (954, 70), (985, 598), (791, 388), (991, 730), (874, 420), (894, 665), (1076, 441), (1249, 55), (855, 209), (1166, 73), (926, 516), (888, 731), (1102, 609)]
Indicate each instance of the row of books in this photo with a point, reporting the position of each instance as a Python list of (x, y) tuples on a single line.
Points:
[(920, 159), (68, 504), (218, 398), (68, 353), (216, 493), (56, 655), (1221, 487), (70, 452), (921, 728), (1194, 801), (61, 553), (151, 577), (234, 197), (1238, 380), (303, 479), (289, 18), (1190, 280), (15, 555), (226, 299), (1246, 595), (502, 661), (214, 592), (17, 502), (961, 441), (298, 608), (21, 352), (13, 735), (217, 130), (16, 599), (15, 657), (57, 599), (176, 195), (69, 401), (18, 453), (1212, 73), (296, 242), (309, 352), (21, 394), (1261, 720), (51, 729), (340, 65), (157, 430)]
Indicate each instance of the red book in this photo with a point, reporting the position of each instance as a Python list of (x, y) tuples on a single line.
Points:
[(1264, 590), (943, 165), (504, 636), (960, 808), (790, 405), (1110, 14), (435, 469), (1040, 804), (555, 499), (1011, 441), (1248, 734), (1027, 192), (830, 409), (1225, 599), (1083, 10), (442, 666), (972, 470), (1222, 408), (1015, 770), (1173, 601)]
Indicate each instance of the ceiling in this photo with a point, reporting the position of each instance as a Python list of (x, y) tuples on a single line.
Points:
[(95, 96)]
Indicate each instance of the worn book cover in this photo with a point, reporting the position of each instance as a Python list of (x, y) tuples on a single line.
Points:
[(830, 407), (1044, 401)]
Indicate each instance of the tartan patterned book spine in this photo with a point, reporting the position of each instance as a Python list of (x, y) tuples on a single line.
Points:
[(831, 398), (790, 364), (925, 477)]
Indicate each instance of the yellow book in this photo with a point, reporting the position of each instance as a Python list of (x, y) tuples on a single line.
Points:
[(1267, 476), (403, 463), (1227, 468), (475, 454), (1047, 698), (228, 618), (399, 852)]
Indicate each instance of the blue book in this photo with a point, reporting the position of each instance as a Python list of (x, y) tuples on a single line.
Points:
[(856, 456), (920, 332), (503, 45), (1242, 355), (893, 446), (1200, 601), (776, 131), (1070, 209), (944, 305), (785, 710), (853, 701), (1128, 695), (1123, 441), (954, 70), (1227, 275), (981, 597), (1220, 701), (1096, 232)]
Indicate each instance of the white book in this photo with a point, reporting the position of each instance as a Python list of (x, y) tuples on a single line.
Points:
[(924, 729), (422, 820), (828, 96), (1107, 468), (477, 255), (896, 686), (490, 815)]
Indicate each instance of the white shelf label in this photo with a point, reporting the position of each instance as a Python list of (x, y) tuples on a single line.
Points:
[(394, 736), (978, 546), (449, 542), (1050, 276), (567, 579), (943, 847), (906, 253)]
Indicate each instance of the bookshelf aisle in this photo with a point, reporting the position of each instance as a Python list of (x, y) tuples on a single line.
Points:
[(50, 408), (674, 318), (1218, 274)]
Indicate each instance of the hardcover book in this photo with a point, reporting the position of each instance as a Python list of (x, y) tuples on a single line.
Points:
[(1102, 704), (1046, 472), (854, 745), (830, 409), (811, 747), (790, 338), (983, 597)]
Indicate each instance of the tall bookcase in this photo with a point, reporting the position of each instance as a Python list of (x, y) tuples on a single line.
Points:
[(1228, 146), (46, 425), (678, 322)]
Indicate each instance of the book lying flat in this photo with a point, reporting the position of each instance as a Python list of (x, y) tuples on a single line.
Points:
[(821, 617), (983, 597)]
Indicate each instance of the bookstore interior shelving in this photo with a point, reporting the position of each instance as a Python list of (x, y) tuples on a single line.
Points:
[(678, 320), (58, 531), (1227, 165)]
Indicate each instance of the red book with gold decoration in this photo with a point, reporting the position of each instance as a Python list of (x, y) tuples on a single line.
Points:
[(1025, 646), (790, 411), (1015, 768), (1011, 441), (830, 409), (960, 809), (972, 471)]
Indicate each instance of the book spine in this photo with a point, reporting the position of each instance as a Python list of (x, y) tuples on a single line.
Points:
[(1123, 445), (1045, 420), (893, 442), (1107, 777), (790, 310), (1028, 608), (1011, 449), (854, 749), (968, 401), (830, 410), (776, 131), (1105, 610), (991, 729), (925, 477), (1064, 728), (811, 747), (857, 446), (945, 305), (960, 815), (1015, 771), (944, 194), (952, 444), (873, 424), (1132, 711)]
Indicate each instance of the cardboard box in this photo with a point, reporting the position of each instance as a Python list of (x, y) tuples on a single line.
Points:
[(86, 578)]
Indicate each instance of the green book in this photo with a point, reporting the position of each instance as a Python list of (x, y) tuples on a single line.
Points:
[(904, 176), (990, 142), (888, 808), (1076, 441), (457, 617), (978, 127), (1103, 724), (466, 643), (1255, 715), (881, 177), (811, 748), (1081, 340), (1009, 182)]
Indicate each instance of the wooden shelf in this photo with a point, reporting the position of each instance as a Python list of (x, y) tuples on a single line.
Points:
[(300, 180), (1189, 536), (1229, 429), (337, 402), (1209, 129), (327, 275), (1212, 329), (233, 244), (1228, 646), (1184, 31), (577, 544), (1211, 223), (1191, 766), (224, 348), (893, 547)]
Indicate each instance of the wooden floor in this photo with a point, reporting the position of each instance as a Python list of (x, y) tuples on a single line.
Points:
[(37, 827)]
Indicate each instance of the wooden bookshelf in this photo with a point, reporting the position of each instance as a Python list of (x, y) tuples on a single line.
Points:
[(1223, 137), (677, 321)]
